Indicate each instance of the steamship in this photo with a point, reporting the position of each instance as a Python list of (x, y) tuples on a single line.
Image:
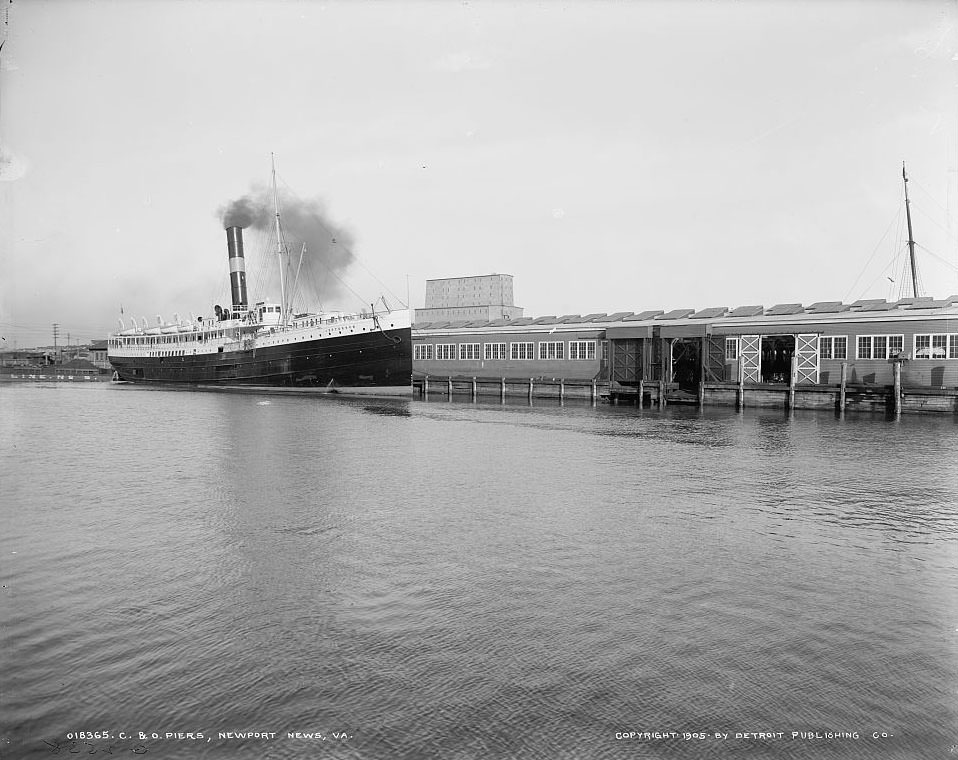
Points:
[(267, 344)]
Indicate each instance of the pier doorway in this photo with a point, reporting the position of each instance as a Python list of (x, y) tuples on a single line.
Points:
[(777, 352), (688, 357), (687, 363)]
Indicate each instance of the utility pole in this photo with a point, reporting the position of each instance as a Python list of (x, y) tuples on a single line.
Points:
[(56, 333)]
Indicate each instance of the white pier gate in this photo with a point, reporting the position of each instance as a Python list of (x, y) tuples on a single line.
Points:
[(751, 353), (806, 352)]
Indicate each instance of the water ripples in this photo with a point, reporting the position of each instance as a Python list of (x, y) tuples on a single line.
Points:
[(473, 580)]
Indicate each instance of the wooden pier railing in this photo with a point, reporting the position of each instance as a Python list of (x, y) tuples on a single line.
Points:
[(506, 387), (790, 396)]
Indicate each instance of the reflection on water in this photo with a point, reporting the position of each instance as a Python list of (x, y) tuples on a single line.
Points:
[(460, 580), (395, 409)]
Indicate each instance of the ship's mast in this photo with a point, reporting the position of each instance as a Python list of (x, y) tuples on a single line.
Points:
[(911, 237), (279, 247)]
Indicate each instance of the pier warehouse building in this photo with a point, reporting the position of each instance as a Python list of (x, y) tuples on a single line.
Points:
[(860, 350)]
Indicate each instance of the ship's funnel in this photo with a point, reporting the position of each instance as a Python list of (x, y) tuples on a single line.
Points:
[(234, 240)]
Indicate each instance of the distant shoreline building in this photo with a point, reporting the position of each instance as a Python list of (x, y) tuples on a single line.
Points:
[(484, 297), (93, 353)]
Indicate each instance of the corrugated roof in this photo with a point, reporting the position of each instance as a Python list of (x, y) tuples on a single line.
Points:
[(711, 313), (785, 308), (676, 314), (747, 311), (824, 309)]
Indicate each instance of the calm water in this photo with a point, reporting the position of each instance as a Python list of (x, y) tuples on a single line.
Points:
[(451, 580)]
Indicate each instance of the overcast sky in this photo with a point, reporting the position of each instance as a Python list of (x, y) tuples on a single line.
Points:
[(611, 156)]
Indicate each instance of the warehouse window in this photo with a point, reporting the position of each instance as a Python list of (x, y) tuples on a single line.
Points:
[(552, 350), (445, 351), (731, 349), (421, 351), (833, 347), (582, 349), (522, 350), (896, 344), (879, 346), (941, 346), (468, 351), (494, 351)]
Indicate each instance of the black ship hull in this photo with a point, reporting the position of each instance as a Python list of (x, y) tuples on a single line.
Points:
[(365, 360)]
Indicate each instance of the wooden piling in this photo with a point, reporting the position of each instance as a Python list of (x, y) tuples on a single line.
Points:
[(595, 391), (841, 393), (704, 349), (792, 379), (741, 382), (502, 391), (561, 390), (897, 370), (641, 393), (530, 390), (449, 388), (666, 370), (425, 386), (474, 389)]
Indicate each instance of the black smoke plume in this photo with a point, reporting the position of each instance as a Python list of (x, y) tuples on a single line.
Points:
[(328, 246)]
